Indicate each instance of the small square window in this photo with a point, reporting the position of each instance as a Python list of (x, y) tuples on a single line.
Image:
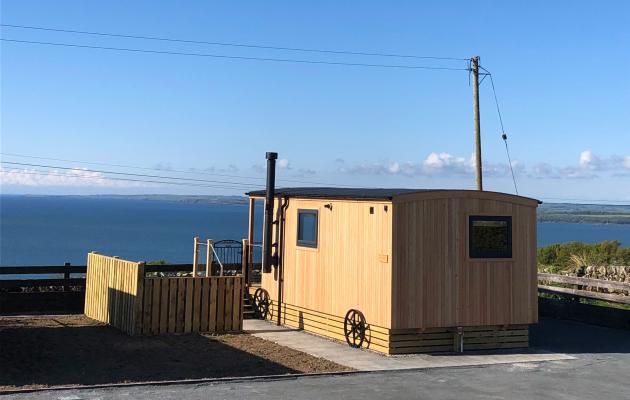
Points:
[(307, 228), (490, 236)]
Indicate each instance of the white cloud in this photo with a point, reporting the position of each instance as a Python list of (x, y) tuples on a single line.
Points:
[(433, 164), (588, 160), (394, 168), (446, 164), (73, 177), (283, 163)]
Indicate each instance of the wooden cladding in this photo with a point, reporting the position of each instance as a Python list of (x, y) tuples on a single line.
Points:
[(117, 293), (184, 305), (347, 269), (435, 281), (113, 287)]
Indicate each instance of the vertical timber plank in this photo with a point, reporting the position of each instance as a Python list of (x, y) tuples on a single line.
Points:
[(189, 305), (220, 304), (196, 304), (139, 296), (155, 306), (181, 304), (205, 300), (172, 305), (229, 303), (164, 302), (212, 319), (146, 315), (236, 304), (229, 299)]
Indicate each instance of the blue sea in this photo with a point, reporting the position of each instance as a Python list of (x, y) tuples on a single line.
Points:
[(52, 230)]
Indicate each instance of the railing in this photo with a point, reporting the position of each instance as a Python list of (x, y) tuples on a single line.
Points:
[(255, 263), (589, 288), (59, 288), (63, 293)]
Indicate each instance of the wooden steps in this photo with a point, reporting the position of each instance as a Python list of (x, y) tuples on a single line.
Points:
[(248, 307)]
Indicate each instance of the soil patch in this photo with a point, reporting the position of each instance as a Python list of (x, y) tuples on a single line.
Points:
[(45, 351)]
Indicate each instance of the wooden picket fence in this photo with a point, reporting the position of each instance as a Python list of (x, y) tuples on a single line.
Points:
[(119, 294), (200, 304), (113, 291)]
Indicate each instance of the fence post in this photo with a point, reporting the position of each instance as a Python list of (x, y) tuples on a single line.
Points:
[(209, 248), (195, 255), (66, 275), (244, 260)]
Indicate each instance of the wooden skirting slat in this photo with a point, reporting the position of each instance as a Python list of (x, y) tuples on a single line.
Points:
[(496, 346), (330, 317), (405, 341), (331, 330), (420, 349), (300, 317)]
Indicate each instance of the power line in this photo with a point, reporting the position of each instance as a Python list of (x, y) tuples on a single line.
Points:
[(131, 174), (171, 170), (230, 44), (127, 166), (223, 56), (503, 134), (53, 173)]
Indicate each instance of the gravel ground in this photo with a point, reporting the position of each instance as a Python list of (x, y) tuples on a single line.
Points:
[(47, 351)]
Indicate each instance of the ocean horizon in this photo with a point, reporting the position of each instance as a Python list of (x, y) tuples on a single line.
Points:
[(52, 230)]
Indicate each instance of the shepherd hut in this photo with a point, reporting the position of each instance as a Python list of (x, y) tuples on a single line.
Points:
[(401, 270)]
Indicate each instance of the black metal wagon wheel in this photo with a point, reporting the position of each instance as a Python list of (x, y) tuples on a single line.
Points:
[(261, 303), (354, 328)]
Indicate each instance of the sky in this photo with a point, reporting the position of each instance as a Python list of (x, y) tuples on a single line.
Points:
[(560, 70)]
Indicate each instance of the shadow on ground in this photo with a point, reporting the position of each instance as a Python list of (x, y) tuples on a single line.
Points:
[(70, 351), (562, 336)]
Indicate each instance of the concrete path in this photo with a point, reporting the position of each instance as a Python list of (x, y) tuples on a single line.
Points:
[(364, 360)]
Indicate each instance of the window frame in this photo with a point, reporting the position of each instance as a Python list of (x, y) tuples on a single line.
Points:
[(490, 256), (307, 243)]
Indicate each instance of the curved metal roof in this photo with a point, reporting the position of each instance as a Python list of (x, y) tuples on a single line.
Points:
[(356, 193)]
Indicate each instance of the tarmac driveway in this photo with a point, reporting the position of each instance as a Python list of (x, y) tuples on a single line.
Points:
[(601, 370)]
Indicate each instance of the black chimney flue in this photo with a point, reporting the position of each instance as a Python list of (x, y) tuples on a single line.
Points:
[(269, 203)]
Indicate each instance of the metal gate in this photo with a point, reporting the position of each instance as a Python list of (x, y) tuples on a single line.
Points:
[(229, 254)]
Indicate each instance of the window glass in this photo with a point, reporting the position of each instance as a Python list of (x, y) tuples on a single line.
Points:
[(307, 228), (490, 236)]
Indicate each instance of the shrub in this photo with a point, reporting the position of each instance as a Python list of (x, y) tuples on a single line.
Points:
[(557, 257)]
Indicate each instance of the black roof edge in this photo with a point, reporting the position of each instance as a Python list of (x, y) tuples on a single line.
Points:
[(357, 193)]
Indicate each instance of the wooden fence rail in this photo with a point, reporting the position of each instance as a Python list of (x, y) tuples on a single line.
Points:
[(50, 289), (583, 283), (118, 293)]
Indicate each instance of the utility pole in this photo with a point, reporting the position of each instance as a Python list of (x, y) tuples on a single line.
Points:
[(474, 64)]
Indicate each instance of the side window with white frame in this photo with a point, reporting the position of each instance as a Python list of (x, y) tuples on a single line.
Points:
[(489, 236), (307, 228)]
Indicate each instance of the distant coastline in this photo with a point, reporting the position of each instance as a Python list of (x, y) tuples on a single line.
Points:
[(584, 213), (173, 198), (547, 212)]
